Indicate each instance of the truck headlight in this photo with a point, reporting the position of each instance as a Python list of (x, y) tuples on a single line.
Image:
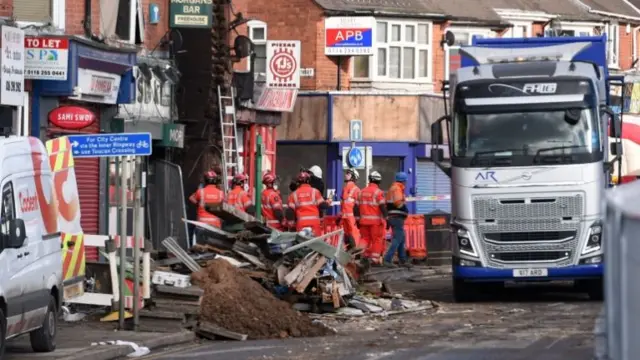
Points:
[(464, 243), (594, 242)]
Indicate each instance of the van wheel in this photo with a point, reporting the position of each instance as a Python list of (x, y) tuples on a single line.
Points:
[(3, 332), (44, 339)]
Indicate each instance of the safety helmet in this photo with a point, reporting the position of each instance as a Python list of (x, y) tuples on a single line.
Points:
[(303, 177), (355, 175), (316, 171), (239, 179), (375, 177), (401, 176), (268, 178), (210, 177)]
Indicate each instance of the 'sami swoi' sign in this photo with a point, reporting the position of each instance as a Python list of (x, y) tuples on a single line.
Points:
[(190, 13), (347, 36)]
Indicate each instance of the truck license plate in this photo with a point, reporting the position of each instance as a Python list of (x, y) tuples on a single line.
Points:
[(530, 272)]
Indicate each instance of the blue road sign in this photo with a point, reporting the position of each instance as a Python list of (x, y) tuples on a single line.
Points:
[(355, 130), (154, 14), (355, 157), (106, 145)]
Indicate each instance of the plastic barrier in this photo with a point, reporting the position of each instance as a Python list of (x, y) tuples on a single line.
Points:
[(416, 243)]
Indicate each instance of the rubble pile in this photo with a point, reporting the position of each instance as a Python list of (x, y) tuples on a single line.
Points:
[(250, 281)]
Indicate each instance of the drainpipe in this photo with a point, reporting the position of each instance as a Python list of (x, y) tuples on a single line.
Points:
[(87, 19), (635, 45)]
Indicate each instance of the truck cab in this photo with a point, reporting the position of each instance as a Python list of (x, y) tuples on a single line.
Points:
[(30, 248), (528, 137)]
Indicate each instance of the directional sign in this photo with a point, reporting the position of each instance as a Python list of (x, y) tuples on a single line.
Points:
[(355, 157), (347, 163), (355, 130), (106, 145)]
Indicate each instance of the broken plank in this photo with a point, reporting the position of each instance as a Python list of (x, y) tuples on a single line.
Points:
[(281, 272), (160, 314), (335, 295), (310, 274), (211, 331), (293, 275), (252, 259), (194, 291), (229, 213)]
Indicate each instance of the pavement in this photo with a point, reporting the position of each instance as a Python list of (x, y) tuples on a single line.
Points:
[(540, 323), (74, 342)]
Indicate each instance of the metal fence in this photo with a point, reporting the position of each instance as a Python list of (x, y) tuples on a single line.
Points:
[(167, 207), (622, 287)]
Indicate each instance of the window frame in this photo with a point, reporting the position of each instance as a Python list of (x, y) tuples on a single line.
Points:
[(527, 24), (471, 31), (58, 16), (8, 184), (613, 44), (402, 44), (575, 27), (257, 24)]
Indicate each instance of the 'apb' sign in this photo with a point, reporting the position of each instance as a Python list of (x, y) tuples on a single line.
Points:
[(191, 13)]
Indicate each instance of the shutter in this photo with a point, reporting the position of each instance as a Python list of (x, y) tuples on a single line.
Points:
[(33, 10), (88, 179), (430, 181)]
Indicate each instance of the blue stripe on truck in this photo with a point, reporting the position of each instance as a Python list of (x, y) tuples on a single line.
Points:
[(562, 273)]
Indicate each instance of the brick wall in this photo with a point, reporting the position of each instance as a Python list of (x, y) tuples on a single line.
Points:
[(6, 7), (438, 60), (153, 34), (626, 47)]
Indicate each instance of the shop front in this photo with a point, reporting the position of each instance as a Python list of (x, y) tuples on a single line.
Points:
[(79, 94)]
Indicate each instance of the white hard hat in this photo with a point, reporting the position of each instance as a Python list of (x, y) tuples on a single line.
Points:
[(354, 173), (375, 176), (316, 171)]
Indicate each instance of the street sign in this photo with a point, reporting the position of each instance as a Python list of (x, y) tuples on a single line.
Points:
[(154, 13), (359, 164), (283, 64), (107, 145), (346, 36), (355, 130)]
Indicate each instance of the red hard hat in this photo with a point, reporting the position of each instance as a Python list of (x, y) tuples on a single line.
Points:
[(210, 175), (303, 176), (268, 178), (240, 178)]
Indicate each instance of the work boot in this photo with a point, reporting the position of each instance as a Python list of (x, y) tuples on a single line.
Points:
[(407, 264), (389, 265)]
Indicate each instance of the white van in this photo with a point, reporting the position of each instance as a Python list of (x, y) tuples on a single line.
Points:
[(30, 247)]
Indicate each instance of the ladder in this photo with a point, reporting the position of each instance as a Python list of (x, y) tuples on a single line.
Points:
[(229, 133)]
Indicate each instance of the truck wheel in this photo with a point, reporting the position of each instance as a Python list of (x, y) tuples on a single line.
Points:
[(463, 291), (595, 289), (3, 333), (44, 338)]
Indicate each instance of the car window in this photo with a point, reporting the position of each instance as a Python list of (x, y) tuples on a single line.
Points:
[(8, 208)]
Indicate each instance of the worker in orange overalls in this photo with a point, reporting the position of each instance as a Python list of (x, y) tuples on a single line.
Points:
[(272, 210), (238, 196), (398, 213), (308, 205), (208, 195), (349, 209), (373, 212)]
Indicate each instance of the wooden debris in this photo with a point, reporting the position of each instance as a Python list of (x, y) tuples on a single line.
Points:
[(310, 274), (294, 274), (212, 331), (252, 259), (194, 291), (281, 272), (335, 295), (160, 314)]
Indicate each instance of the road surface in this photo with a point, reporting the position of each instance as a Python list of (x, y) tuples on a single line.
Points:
[(545, 323)]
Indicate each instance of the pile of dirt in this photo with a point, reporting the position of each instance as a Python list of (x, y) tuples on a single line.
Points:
[(237, 303)]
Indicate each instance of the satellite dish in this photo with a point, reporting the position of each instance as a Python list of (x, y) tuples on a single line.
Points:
[(243, 46), (449, 38), (176, 40)]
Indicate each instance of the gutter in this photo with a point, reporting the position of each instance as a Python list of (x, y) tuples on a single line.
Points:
[(608, 14), (397, 14)]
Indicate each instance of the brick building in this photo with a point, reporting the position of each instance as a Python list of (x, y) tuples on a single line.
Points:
[(395, 91), (103, 45)]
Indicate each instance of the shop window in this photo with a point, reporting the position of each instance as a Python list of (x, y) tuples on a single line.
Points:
[(290, 158)]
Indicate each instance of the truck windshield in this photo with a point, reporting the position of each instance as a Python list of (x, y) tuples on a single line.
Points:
[(571, 135)]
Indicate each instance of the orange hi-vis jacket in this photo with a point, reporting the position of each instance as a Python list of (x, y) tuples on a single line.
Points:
[(350, 195), (370, 199), (396, 200), (305, 201), (271, 201), (209, 194), (239, 198)]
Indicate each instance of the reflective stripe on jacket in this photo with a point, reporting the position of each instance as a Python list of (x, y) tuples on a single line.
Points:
[(370, 199), (395, 199), (305, 201), (350, 195), (239, 198), (210, 194), (271, 201)]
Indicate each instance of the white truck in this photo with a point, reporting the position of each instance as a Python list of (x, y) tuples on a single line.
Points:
[(529, 162), (31, 259)]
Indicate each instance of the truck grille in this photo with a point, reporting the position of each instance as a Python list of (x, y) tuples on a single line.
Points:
[(530, 236), (533, 256), (519, 230)]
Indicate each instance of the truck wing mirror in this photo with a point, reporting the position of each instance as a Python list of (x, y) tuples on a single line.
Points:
[(436, 130), (615, 148), (437, 154), (17, 234), (615, 124)]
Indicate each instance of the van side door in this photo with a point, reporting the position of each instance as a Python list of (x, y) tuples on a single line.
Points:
[(14, 261)]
